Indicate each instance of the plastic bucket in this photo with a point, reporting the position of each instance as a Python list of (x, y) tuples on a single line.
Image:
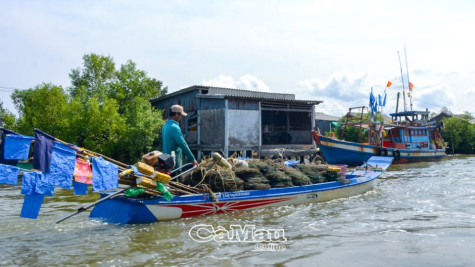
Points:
[(343, 170)]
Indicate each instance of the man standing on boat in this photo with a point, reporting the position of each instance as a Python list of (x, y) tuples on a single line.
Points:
[(173, 139)]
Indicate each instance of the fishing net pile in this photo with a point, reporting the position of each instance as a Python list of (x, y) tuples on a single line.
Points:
[(257, 175), (218, 178)]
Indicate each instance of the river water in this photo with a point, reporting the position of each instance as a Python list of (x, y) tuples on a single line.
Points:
[(417, 215)]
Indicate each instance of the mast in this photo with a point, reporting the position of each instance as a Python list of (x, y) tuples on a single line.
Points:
[(402, 78), (408, 82), (397, 102)]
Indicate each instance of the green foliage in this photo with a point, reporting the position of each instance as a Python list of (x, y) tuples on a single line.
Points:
[(446, 111), (98, 127), (106, 110), (143, 126), (43, 107), (131, 83), (352, 133), (7, 118), (459, 133), (95, 76)]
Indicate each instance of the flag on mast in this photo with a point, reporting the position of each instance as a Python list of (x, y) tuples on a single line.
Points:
[(372, 102), (389, 84), (411, 86)]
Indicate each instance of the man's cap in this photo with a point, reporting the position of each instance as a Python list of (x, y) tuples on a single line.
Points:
[(178, 109)]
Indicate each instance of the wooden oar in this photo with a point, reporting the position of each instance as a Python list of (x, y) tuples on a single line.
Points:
[(84, 208), (94, 154)]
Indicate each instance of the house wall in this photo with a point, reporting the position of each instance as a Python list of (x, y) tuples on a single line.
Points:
[(324, 126), (187, 100), (212, 122), (212, 127), (243, 128), (217, 122)]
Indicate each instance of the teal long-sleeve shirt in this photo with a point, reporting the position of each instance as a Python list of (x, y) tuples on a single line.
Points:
[(173, 140)]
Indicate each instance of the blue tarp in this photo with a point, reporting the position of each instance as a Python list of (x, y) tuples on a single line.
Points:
[(31, 206), (291, 163), (36, 182), (135, 170), (9, 174), (44, 144), (16, 146), (12, 162), (61, 170), (80, 188), (104, 175)]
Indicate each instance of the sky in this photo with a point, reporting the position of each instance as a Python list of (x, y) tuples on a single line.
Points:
[(335, 51)]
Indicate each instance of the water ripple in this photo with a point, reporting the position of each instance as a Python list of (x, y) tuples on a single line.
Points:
[(417, 215)]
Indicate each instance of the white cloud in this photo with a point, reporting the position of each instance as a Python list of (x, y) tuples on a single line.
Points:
[(252, 83), (433, 97), (340, 85), (471, 92), (311, 48), (247, 82), (340, 92), (221, 81)]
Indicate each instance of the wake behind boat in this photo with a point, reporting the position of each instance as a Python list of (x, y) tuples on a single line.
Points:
[(131, 210)]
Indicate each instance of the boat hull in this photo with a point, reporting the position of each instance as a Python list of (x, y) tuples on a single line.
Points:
[(124, 210), (350, 153)]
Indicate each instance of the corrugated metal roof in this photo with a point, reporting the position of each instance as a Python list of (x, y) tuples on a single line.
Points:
[(296, 101), (248, 93), (320, 116), (239, 93)]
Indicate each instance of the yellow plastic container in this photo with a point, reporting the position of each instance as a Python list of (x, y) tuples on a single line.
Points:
[(145, 182), (332, 168), (162, 177), (221, 161), (145, 168), (150, 171)]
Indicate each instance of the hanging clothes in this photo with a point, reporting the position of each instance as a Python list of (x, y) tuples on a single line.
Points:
[(36, 182), (61, 170), (31, 206), (17, 146), (80, 188), (105, 175), (12, 162), (9, 174), (44, 144), (82, 171)]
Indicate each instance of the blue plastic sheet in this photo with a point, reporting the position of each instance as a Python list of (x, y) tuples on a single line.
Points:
[(80, 188), (61, 170), (9, 174), (135, 170), (16, 146), (105, 175), (44, 144), (36, 182), (12, 162), (31, 206), (291, 163)]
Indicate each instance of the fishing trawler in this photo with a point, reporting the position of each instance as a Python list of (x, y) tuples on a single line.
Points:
[(411, 137)]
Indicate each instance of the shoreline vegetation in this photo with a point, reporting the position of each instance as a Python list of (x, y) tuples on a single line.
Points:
[(107, 109)]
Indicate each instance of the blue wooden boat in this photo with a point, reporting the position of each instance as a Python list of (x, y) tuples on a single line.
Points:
[(125, 210), (410, 138)]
